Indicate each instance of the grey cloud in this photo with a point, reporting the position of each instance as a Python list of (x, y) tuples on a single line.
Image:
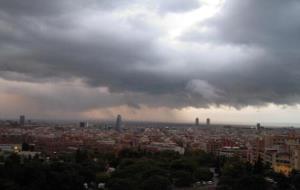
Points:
[(48, 43), (205, 90), (55, 7), (269, 23), (31, 7), (177, 5), (271, 26), (104, 56)]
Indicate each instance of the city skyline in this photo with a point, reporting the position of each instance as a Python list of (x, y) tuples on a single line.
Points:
[(229, 60)]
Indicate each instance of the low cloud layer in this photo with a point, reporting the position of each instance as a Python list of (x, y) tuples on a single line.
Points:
[(78, 56)]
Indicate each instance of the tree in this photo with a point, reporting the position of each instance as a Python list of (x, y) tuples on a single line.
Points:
[(282, 182), (258, 167), (120, 184), (81, 156), (182, 178), (25, 147), (237, 175), (13, 160), (157, 183), (203, 174), (102, 177), (250, 182), (183, 164), (295, 178), (8, 184)]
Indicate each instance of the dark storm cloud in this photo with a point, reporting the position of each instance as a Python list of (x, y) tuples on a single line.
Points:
[(269, 23), (31, 7), (41, 47), (105, 53), (54, 7), (61, 40), (271, 26)]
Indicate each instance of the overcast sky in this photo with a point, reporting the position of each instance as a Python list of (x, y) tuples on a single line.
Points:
[(165, 60)]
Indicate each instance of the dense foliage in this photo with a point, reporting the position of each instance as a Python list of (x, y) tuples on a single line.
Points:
[(236, 175), (134, 169), (138, 170)]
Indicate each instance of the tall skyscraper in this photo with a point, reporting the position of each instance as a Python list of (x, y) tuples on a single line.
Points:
[(119, 123), (197, 121), (82, 124), (207, 121), (258, 127), (22, 120)]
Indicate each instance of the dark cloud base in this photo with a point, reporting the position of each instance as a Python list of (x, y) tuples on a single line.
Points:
[(50, 41)]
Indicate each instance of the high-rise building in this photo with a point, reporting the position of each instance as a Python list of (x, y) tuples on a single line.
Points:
[(207, 121), (22, 120), (197, 121), (119, 123), (82, 124), (258, 126)]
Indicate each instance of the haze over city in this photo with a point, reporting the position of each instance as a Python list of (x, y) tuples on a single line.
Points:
[(155, 60)]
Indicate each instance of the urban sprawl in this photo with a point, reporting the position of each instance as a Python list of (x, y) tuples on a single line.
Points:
[(279, 147)]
